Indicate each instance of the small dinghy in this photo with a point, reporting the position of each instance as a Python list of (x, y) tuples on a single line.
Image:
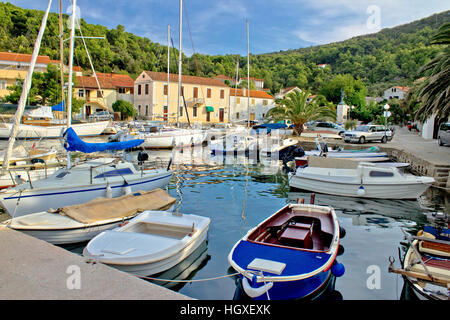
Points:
[(79, 223), (150, 243), (426, 265), (290, 255)]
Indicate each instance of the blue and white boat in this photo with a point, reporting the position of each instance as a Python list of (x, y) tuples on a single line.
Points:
[(290, 255), (104, 177)]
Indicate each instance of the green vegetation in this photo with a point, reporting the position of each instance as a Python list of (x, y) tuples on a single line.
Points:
[(295, 109), (431, 94), (125, 108)]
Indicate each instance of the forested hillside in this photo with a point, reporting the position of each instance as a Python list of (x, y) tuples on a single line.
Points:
[(391, 56)]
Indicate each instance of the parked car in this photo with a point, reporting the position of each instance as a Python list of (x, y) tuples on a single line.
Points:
[(101, 115), (326, 126), (444, 134), (367, 133)]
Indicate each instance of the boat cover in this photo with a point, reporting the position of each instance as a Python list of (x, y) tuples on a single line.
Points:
[(269, 126), (59, 107), (74, 143), (100, 209)]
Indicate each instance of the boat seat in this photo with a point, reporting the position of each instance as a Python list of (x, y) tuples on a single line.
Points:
[(297, 235)]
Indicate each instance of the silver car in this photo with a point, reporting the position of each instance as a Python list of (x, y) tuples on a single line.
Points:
[(444, 134), (367, 133)]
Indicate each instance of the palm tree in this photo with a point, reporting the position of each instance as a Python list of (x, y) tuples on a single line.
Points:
[(295, 108), (433, 94)]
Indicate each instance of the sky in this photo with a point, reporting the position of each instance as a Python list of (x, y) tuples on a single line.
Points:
[(218, 27)]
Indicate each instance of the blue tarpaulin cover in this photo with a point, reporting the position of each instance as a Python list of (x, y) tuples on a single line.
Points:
[(59, 107), (74, 143), (269, 126)]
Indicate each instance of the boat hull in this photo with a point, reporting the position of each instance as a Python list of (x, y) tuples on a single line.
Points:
[(151, 268), (172, 141), (74, 235), (38, 132), (350, 188), (33, 200)]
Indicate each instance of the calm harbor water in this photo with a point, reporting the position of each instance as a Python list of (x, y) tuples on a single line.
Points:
[(237, 194)]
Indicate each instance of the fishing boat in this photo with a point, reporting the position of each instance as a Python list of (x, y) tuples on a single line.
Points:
[(426, 264), (150, 243), (79, 223), (21, 154), (290, 255), (358, 179), (84, 181)]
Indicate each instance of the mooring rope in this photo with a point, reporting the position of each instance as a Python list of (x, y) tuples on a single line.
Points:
[(192, 280)]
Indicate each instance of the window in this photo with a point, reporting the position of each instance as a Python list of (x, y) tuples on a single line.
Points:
[(139, 109), (121, 90), (165, 90), (146, 110), (99, 93), (208, 93), (195, 93), (238, 100), (381, 174), (222, 94), (3, 84), (194, 112), (146, 88), (264, 102), (237, 115), (80, 93), (181, 111), (139, 89)]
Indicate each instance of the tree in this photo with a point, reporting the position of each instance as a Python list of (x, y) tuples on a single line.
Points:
[(125, 108), (295, 109), (354, 89), (433, 93)]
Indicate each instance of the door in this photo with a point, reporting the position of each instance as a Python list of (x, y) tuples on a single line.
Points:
[(88, 111), (165, 115), (208, 116), (221, 115), (252, 116)]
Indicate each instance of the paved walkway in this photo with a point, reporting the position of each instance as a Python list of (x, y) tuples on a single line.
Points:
[(428, 150), (32, 269)]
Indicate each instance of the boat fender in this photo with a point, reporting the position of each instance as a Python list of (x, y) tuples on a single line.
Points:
[(342, 233), (126, 190), (361, 191), (255, 292), (340, 250), (108, 191), (337, 269)]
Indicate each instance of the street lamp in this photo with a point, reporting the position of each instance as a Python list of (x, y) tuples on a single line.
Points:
[(386, 115)]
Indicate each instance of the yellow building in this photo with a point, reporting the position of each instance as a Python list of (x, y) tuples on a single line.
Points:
[(207, 100), (113, 87), (15, 66)]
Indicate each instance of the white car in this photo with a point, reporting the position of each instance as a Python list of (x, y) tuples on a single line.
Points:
[(368, 133)]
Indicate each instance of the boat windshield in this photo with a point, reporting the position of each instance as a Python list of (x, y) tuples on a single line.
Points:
[(362, 128)]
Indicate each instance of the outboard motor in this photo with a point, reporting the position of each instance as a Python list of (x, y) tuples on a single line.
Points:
[(142, 157), (291, 154)]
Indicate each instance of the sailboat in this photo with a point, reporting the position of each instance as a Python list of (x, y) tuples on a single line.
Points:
[(110, 177)]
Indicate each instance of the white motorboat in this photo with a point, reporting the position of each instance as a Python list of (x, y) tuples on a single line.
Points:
[(358, 179), (275, 148), (150, 243), (81, 183), (167, 138), (79, 223), (20, 154), (234, 144)]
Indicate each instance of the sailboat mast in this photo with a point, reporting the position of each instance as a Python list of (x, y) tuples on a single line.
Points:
[(61, 51), (168, 66), (248, 79), (179, 64), (69, 91), (25, 89)]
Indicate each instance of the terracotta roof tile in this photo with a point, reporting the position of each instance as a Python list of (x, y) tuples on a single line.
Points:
[(22, 57), (90, 82), (253, 94), (162, 76)]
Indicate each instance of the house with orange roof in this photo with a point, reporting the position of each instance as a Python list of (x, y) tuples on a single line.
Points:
[(255, 102), (226, 79), (396, 92), (259, 83), (99, 93), (156, 98)]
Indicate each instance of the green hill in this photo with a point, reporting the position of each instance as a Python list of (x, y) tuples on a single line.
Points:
[(391, 56)]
